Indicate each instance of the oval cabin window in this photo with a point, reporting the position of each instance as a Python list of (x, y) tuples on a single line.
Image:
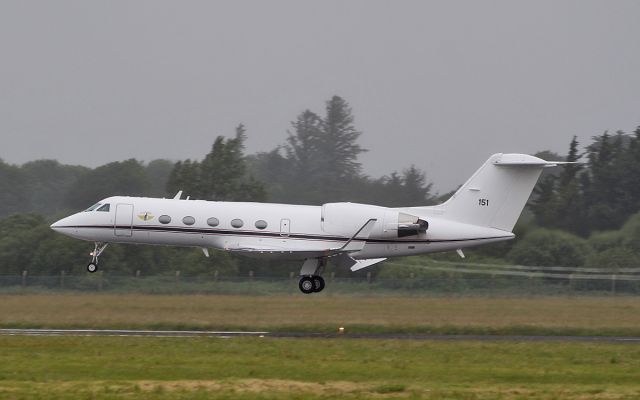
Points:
[(261, 224), (213, 221), (188, 220), (164, 219), (237, 223)]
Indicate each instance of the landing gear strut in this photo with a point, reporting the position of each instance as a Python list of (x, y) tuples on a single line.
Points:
[(310, 279), (311, 284), (97, 250)]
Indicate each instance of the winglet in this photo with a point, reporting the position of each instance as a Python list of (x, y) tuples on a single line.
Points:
[(178, 195)]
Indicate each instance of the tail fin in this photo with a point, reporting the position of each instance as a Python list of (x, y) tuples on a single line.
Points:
[(496, 193)]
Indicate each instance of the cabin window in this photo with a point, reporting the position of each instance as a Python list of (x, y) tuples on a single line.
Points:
[(188, 220), (237, 223), (164, 219), (213, 221), (105, 208), (261, 224), (93, 207)]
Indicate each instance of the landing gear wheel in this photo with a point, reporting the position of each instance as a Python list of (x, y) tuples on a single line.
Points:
[(306, 285), (92, 267), (318, 283)]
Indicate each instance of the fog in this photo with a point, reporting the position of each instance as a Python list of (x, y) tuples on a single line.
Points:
[(441, 85)]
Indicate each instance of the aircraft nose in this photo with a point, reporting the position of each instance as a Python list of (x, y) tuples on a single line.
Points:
[(56, 225), (63, 225)]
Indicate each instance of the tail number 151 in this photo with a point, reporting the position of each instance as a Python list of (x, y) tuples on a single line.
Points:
[(483, 202)]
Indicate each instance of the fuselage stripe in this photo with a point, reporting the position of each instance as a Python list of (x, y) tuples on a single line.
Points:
[(199, 231)]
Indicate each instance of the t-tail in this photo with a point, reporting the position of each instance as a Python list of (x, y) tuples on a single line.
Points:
[(496, 194)]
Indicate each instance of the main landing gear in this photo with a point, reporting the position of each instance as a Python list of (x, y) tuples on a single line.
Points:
[(311, 284), (310, 279), (97, 250)]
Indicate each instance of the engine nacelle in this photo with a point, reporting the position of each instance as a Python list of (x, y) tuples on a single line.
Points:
[(411, 225), (345, 219)]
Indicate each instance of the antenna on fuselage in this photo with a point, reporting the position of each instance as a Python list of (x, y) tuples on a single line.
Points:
[(178, 195)]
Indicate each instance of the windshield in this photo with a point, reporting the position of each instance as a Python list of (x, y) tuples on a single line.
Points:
[(93, 207)]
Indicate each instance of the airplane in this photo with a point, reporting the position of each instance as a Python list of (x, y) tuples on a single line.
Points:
[(350, 235)]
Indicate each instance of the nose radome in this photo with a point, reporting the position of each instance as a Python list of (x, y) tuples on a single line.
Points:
[(59, 224)]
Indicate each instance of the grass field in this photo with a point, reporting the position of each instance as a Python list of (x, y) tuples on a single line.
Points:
[(204, 368), (540, 315)]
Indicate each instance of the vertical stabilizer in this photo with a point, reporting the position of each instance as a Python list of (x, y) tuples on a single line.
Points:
[(496, 193)]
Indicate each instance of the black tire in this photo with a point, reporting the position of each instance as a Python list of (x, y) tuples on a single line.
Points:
[(318, 283), (306, 285), (92, 267)]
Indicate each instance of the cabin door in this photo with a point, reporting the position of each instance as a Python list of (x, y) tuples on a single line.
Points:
[(285, 227), (124, 220)]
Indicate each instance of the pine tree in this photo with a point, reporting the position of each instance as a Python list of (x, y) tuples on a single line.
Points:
[(323, 155), (569, 213), (339, 141), (222, 175)]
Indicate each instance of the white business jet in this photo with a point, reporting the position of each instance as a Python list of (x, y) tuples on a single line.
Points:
[(484, 210)]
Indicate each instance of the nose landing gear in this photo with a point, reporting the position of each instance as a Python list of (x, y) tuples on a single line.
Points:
[(97, 250)]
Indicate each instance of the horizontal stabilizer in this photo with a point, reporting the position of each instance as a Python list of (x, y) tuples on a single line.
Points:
[(344, 260), (360, 264)]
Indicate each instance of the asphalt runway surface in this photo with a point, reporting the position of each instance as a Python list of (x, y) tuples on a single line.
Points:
[(299, 335)]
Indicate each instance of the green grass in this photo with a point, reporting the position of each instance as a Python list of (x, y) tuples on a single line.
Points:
[(456, 315), (265, 368)]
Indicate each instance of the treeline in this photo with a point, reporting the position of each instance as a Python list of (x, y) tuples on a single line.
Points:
[(577, 214), (318, 163), (585, 214), (49, 188), (599, 193)]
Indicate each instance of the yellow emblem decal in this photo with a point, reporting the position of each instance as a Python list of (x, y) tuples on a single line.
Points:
[(146, 216)]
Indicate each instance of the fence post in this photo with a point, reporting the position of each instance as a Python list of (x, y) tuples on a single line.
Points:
[(333, 275), (570, 285), (215, 275), (177, 276), (613, 284), (251, 275), (291, 274), (62, 279), (100, 274), (137, 273), (369, 277), (24, 278)]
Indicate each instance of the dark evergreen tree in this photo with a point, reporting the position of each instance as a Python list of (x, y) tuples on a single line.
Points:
[(323, 155), (569, 208), (600, 185), (125, 178), (338, 144), (158, 172), (13, 189), (222, 175)]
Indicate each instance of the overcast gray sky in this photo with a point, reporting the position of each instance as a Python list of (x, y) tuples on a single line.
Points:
[(438, 84)]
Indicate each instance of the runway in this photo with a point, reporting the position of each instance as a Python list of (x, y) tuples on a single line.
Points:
[(305, 335)]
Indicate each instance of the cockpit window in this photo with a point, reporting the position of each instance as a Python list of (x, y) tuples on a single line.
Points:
[(105, 207), (93, 207)]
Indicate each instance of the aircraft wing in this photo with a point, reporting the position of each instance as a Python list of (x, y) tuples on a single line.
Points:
[(353, 244)]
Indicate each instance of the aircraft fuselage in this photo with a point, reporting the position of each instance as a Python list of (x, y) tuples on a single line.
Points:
[(287, 231)]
